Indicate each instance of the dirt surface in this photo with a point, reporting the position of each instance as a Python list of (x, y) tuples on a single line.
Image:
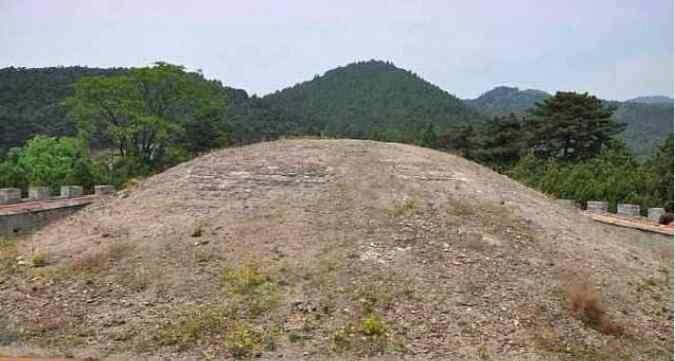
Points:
[(330, 250)]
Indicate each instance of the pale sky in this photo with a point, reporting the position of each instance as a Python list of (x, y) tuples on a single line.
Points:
[(613, 49)]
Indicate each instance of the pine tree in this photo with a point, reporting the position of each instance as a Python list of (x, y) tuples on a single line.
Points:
[(571, 126)]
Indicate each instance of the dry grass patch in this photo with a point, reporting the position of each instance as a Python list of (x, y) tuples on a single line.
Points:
[(584, 301), (406, 207), (240, 325), (368, 336), (101, 261), (8, 252), (460, 209)]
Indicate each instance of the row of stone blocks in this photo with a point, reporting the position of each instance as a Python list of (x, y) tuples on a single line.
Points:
[(13, 195), (624, 209)]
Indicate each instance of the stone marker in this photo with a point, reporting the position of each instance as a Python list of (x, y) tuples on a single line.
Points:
[(654, 214), (38, 193), (597, 206), (71, 191), (10, 195), (628, 210), (104, 189)]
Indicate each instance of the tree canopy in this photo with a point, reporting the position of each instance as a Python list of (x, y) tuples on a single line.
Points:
[(571, 126), (48, 161), (148, 109)]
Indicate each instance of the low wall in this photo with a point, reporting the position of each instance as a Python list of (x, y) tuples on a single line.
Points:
[(19, 216), (20, 223)]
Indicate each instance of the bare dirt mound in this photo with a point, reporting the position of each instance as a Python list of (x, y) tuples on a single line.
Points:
[(332, 249)]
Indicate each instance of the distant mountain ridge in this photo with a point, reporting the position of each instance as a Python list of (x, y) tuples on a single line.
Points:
[(503, 100), (364, 98), (654, 99)]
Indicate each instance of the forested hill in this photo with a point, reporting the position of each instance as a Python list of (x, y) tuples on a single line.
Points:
[(372, 99), (31, 104), (503, 100), (647, 125), (30, 101), (648, 119)]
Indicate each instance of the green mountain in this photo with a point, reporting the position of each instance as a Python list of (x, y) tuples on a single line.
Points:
[(647, 125), (655, 99), (648, 119), (503, 100), (372, 99), (30, 101)]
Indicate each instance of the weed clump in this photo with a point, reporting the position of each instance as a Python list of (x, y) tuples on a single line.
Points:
[(373, 325), (200, 322), (367, 337), (39, 260), (240, 341), (244, 279), (585, 303), (407, 207)]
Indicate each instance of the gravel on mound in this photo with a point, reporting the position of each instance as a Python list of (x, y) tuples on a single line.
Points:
[(340, 248)]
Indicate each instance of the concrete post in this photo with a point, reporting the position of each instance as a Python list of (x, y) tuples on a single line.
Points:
[(38, 193), (654, 214), (10, 195), (104, 189), (71, 191), (597, 206), (628, 210)]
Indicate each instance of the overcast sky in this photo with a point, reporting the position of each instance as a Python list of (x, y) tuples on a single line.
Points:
[(614, 49)]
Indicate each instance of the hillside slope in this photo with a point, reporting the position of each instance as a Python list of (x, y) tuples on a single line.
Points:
[(333, 249), (371, 98)]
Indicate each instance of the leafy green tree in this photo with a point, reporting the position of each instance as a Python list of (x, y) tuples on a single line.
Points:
[(147, 110), (47, 161), (570, 126), (500, 143), (428, 137), (460, 139), (613, 175), (11, 173), (663, 172)]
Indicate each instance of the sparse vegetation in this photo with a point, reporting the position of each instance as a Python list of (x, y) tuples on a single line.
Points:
[(196, 323), (8, 254), (373, 325), (460, 209), (251, 299), (585, 303), (367, 337), (241, 341), (39, 260), (98, 262), (404, 208)]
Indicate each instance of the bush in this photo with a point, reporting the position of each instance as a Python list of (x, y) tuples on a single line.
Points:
[(373, 325)]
